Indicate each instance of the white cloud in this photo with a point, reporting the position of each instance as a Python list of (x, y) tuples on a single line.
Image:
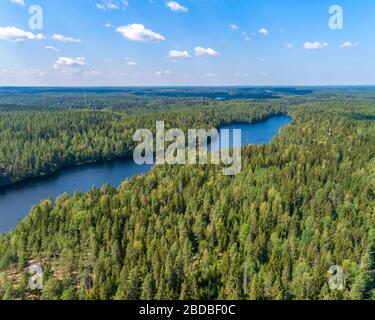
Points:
[(108, 25), (138, 32), (112, 4), (70, 62), (264, 31), (20, 2), (349, 44), (14, 34), (199, 51), (160, 73), (178, 54), (130, 62), (61, 38), (290, 45), (315, 45), (234, 27), (51, 48), (176, 7)]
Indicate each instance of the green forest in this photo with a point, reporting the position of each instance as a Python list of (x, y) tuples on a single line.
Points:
[(38, 141), (301, 204)]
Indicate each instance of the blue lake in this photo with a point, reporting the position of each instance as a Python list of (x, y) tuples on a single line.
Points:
[(16, 200)]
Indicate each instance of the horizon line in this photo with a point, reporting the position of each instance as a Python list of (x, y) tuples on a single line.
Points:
[(192, 86)]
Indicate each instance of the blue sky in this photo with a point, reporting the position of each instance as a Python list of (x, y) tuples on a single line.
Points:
[(186, 42)]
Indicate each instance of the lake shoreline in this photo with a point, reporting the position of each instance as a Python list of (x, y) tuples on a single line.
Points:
[(4, 187), (62, 169), (17, 199)]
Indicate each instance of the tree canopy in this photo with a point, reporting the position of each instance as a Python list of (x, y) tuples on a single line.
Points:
[(301, 204)]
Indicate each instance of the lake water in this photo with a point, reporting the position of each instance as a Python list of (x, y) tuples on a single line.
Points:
[(16, 200)]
